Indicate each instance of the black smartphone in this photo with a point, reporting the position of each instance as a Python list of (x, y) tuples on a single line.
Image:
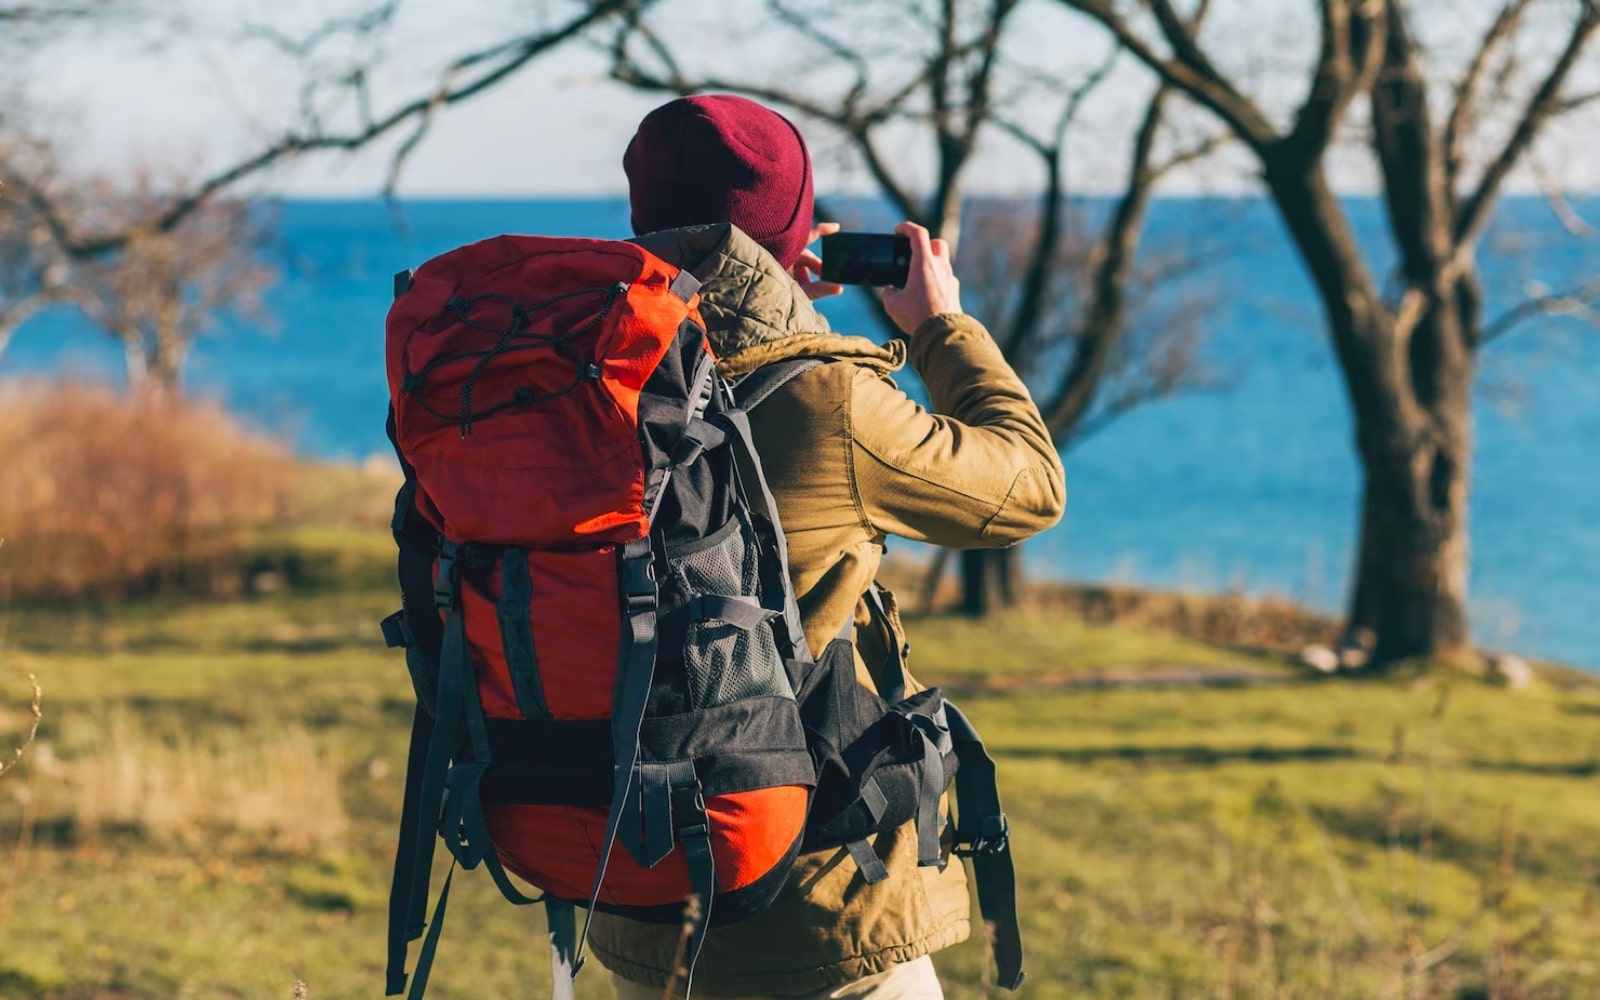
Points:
[(866, 259)]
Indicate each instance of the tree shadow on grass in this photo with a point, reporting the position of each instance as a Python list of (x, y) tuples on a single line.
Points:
[(1203, 755), (1189, 755)]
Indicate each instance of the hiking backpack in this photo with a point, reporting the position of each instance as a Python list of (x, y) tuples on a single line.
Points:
[(599, 625)]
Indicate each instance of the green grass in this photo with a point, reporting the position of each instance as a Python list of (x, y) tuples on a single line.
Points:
[(1431, 837)]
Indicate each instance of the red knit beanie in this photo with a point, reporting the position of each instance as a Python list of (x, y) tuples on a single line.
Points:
[(721, 158)]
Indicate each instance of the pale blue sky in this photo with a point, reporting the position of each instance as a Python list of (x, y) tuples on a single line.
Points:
[(120, 98)]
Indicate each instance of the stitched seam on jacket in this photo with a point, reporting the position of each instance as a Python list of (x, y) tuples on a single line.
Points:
[(850, 456), (946, 487), (988, 524)]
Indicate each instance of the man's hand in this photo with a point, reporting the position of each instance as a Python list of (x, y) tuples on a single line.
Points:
[(809, 266), (931, 285)]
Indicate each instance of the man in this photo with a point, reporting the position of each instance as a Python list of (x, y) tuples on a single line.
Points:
[(722, 186)]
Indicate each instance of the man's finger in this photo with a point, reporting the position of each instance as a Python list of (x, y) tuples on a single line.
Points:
[(820, 230), (940, 247), (918, 237)]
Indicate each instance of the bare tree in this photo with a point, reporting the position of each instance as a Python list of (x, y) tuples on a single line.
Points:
[(165, 288), (155, 264), (32, 274), (32, 270), (320, 127), (1408, 357), (955, 90)]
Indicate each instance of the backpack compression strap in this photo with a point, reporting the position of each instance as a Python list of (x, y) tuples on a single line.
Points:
[(440, 799), (982, 834), (750, 391)]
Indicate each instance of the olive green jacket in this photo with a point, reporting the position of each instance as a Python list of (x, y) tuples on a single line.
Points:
[(850, 460)]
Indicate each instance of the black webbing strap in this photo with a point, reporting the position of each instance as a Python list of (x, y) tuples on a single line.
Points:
[(693, 830), (982, 834), (873, 802), (647, 818), (935, 737), (516, 633), (636, 667), (418, 625), (405, 915), (699, 436), (748, 464), (414, 871), (451, 722), (868, 863), (737, 610), (466, 829), (430, 944), (750, 391), (395, 633), (561, 918)]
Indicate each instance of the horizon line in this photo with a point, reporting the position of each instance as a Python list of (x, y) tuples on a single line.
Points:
[(1513, 195)]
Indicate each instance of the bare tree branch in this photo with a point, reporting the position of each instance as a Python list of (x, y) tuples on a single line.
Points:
[(1578, 101), (363, 23), (1542, 106), (1189, 71), (1464, 111), (1106, 315), (1560, 204), (1409, 157), (504, 59), (1190, 154), (1037, 278), (1351, 52), (1580, 301)]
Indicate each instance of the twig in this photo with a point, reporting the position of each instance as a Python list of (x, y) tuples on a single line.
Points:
[(680, 958), (37, 708), (1579, 301)]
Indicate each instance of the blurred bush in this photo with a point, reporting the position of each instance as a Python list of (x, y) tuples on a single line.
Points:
[(108, 494)]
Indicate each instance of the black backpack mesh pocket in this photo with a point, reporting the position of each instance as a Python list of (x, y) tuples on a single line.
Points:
[(726, 660)]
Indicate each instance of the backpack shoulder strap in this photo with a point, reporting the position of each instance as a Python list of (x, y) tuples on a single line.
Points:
[(750, 391)]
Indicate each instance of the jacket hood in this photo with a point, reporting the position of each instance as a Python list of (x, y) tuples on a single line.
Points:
[(755, 312)]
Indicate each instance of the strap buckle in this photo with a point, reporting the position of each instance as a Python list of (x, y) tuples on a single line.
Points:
[(639, 583), (396, 631), (994, 837), (444, 584)]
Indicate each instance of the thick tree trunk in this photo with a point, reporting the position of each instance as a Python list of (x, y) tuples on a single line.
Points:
[(154, 363), (1410, 396), (1410, 586), (1410, 583), (991, 580)]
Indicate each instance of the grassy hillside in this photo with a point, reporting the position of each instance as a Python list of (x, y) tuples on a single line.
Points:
[(208, 810)]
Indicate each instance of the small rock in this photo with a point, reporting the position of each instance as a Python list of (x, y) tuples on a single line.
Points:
[(1320, 658), (1510, 670), (1355, 651)]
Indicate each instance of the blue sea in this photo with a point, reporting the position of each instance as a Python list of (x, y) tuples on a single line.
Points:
[(1250, 485)]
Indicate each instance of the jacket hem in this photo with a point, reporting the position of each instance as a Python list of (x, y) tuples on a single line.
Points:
[(802, 981)]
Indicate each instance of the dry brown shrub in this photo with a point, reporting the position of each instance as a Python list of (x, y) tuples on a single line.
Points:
[(106, 493), (282, 793)]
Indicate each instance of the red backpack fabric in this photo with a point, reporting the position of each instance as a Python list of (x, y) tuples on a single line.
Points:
[(599, 626)]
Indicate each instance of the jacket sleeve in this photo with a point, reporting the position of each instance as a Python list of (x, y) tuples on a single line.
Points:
[(979, 471)]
